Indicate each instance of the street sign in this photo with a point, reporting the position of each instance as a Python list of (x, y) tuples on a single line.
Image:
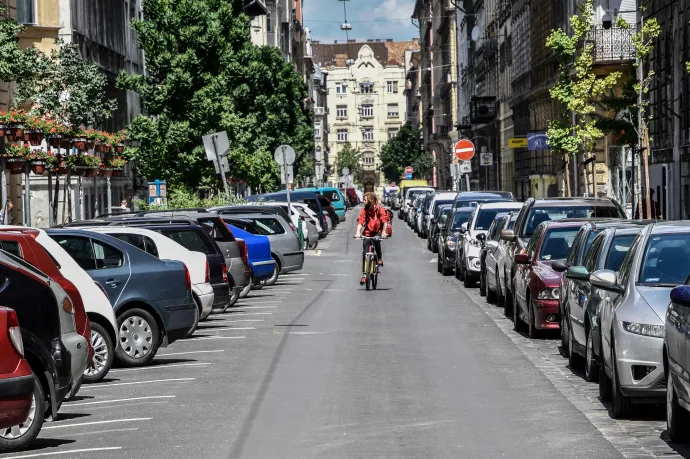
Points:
[(408, 176), (284, 155), (486, 159), (224, 163), (517, 142), (221, 144), (290, 178), (537, 141), (409, 170), (464, 149), (466, 167), (455, 170), (345, 171)]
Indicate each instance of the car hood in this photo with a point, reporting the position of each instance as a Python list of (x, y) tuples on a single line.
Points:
[(546, 273), (657, 298)]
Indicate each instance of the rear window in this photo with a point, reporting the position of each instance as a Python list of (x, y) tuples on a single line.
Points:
[(538, 215), (557, 243), (191, 240), (486, 217), (11, 247), (332, 195), (269, 226), (216, 229)]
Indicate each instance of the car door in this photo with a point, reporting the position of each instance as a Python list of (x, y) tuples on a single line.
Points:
[(523, 271), (582, 290), (492, 250), (104, 263), (568, 285)]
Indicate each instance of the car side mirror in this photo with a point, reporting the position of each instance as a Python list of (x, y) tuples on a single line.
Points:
[(462, 229), (681, 295), (491, 244), (481, 237), (577, 273), (508, 235), (605, 279), (522, 259), (560, 266)]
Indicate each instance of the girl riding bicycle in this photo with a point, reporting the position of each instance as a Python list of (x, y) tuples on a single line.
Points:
[(372, 221)]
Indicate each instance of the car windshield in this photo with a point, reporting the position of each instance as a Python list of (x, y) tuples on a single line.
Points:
[(474, 202), (557, 243), (486, 217), (538, 215), (619, 248), (459, 218), (666, 260)]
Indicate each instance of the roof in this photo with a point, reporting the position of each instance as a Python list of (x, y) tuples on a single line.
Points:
[(572, 202), (566, 223), (488, 194), (387, 53), (464, 209), (501, 205), (682, 226), (614, 223)]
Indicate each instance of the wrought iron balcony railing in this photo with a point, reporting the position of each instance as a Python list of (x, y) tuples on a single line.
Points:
[(611, 46)]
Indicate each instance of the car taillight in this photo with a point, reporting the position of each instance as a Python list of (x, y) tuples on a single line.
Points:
[(188, 279), (225, 273), (293, 227), (101, 287), (208, 273), (67, 305), (243, 251), (14, 332)]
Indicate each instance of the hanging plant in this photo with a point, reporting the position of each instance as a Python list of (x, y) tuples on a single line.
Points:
[(39, 160), (34, 128), (92, 137), (17, 152), (116, 162), (117, 141), (91, 161)]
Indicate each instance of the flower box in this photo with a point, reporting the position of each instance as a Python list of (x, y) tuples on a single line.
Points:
[(15, 165), (80, 143), (33, 136), (38, 167)]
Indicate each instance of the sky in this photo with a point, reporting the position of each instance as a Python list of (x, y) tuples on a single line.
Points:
[(369, 18)]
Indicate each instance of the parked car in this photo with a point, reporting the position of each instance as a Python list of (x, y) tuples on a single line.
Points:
[(17, 381), (409, 195), (676, 355), (298, 213), (536, 285), (47, 343), (152, 298), (285, 246), (448, 239), (536, 211), (488, 282), (580, 302), (438, 199), (474, 198), (633, 311), (334, 196), (311, 198), (435, 223), (22, 244), (468, 252), (351, 194), (259, 250)]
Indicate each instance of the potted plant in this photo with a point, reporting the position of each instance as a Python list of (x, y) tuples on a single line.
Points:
[(91, 164), (59, 134), (104, 143), (39, 160), (117, 141), (116, 163), (15, 156), (16, 124), (92, 137), (34, 128)]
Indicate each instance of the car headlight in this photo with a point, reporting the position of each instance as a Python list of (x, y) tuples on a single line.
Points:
[(656, 331), (549, 294)]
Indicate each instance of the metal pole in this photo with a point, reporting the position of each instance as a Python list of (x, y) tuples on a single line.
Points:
[(287, 179), (68, 192), (622, 182), (634, 184), (51, 222), (3, 184), (80, 185), (220, 166), (467, 181), (95, 196), (27, 195), (109, 195)]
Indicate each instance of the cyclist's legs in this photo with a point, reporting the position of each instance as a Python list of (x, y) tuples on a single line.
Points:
[(365, 248), (377, 247)]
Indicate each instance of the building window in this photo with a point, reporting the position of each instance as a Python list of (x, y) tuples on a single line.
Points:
[(392, 133), (26, 12), (366, 88), (392, 87), (392, 110), (368, 159), (368, 134), (317, 131), (340, 87), (341, 111), (269, 24), (342, 135), (367, 110)]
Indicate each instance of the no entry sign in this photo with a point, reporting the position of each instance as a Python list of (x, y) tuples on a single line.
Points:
[(409, 170), (464, 150)]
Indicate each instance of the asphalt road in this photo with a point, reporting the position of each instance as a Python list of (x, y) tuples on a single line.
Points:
[(317, 367)]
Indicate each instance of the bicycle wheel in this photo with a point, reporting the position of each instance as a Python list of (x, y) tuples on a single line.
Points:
[(375, 279), (368, 282)]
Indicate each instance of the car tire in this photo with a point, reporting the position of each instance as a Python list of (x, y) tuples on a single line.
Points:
[(604, 385), (197, 317), (245, 290), (575, 360), (499, 292), (591, 365), (258, 285), (517, 322), (103, 354), (467, 281), (676, 416), (271, 281), (456, 268), (621, 403), (532, 331), (482, 282), (9, 441), (428, 244), (127, 352), (565, 332), (445, 271)]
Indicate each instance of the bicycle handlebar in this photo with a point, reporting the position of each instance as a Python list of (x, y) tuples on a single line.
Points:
[(375, 238)]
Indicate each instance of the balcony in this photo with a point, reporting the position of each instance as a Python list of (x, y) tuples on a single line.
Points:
[(611, 46)]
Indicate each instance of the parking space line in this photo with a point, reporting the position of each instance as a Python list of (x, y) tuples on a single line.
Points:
[(251, 313), (109, 431), (72, 451), (233, 328), (196, 352), (99, 386), (241, 320), (196, 364), (100, 402), (201, 338), (259, 307), (111, 421)]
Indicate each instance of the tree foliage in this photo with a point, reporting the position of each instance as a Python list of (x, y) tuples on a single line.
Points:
[(204, 76), (405, 149), (16, 64), (351, 158)]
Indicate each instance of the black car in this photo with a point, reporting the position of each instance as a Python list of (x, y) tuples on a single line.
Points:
[(448, 238), (435, 225)]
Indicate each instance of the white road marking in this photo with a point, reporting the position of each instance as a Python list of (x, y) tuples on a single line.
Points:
[(234, 328), (337, 274), (333, 290), (100, 402), (218, 337), (196, 364), (109, 431), (79, 424), (259, 307), (72, 451), (287, 276), (192, 352), (99, 386), (251, 314), (308, 333), (235, 321)]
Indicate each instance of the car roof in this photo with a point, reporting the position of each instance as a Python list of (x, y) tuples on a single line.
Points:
[(627, 230), (475, 194), (500, 205), (572, 202), (259, 215), (682, 226), (598, 225), (445, 195), (565, 223), (464, 209)]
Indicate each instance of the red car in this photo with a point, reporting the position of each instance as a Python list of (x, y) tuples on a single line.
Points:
[(537, 285), (22, 244), (16, 378)]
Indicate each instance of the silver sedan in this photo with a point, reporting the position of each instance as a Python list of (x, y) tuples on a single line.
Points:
[(633, 309)]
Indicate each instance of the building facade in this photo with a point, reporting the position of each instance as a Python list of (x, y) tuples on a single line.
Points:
[(366, 101)]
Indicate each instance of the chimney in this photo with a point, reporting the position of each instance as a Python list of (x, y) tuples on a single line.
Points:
[(378, 40), (352, 40), (389, 40), (335, 42), (370, 40)]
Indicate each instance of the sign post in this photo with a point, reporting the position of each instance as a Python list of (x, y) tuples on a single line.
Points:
[(464, 151), (285, 156), (217, 147)]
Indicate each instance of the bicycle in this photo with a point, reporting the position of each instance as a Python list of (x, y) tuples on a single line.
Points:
[(371, 265)]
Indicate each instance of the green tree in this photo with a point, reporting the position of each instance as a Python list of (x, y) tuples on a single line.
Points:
[(203, 76), (405, 149), (16, 64), (577, 90), (351, 158)]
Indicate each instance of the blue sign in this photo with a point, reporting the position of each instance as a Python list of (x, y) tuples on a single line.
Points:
[(158, 192), (408, 176), (537, 141)]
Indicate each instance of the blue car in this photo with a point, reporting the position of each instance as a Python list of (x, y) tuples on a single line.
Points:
[(336, 198), (259, 253)]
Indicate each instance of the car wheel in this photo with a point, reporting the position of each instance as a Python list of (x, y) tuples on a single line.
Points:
[(274, 277), (139, 338), (258, 285), (74, 390), (591, 365), (532, 330), (621, 403), (428, 244), (19, 437), (565, 334), (482, 282), (604, 384), (517, 322), (467, 281), (574, 359), (103, 354), (245, 290), (197, 316), (445, 270), (676, 417), (496, 296), (438, 263)]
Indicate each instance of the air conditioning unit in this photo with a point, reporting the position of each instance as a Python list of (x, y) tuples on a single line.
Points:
[(319, 111)]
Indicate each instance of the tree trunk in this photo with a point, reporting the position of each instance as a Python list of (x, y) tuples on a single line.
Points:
[(586, 174), (648, 201)]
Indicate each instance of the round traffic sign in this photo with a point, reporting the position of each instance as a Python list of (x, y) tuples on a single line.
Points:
[(284, 155), (464, 150), (345, 171), (409, 170)]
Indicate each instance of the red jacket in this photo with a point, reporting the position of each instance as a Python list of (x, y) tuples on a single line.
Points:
[(372, 220)]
